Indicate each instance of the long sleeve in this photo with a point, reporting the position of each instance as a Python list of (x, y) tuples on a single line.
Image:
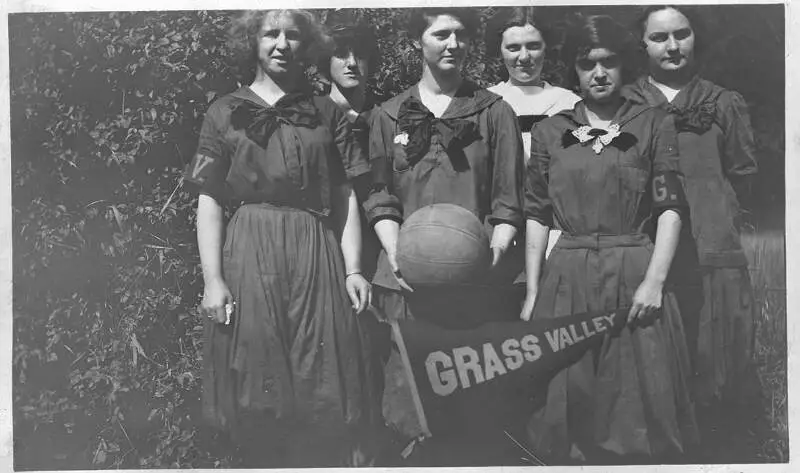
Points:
[(538, 205), (738, 154), (381, 203), (739, 157), (509, 161)]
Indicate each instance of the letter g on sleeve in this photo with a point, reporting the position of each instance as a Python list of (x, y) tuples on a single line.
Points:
[(667, 191), (667, 180)]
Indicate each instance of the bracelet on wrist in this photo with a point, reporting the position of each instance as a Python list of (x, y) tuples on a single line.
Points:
[(352, 273)]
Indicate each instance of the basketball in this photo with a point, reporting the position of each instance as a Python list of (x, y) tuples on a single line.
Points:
[(443, 244)]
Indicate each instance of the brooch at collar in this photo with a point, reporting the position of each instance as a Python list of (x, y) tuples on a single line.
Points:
[(600, 138)]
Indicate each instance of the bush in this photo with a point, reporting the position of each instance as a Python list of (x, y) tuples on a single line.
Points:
[(105, 113)]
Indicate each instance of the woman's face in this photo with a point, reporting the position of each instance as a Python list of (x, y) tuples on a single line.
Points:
[(444, 43), (522, 49), (599, 75), (279, 43), (669, 40), (348, 70)]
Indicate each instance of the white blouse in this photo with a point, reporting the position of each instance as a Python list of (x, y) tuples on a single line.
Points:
[(534, 100)]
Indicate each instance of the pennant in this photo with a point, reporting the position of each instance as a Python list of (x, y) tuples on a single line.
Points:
[(490, 375)]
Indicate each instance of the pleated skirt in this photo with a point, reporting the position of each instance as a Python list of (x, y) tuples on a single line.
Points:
[(629, 397), (291, 359), (718, 311)]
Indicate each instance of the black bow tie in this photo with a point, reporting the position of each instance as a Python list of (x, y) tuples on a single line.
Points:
[(419, 123), (621, 140), (526, 122), (260, 122)]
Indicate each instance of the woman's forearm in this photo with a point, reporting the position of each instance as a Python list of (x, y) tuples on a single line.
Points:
[(388, 231), (209, 237), (667, 236), (502, 235), (536, 236), (351, 229)]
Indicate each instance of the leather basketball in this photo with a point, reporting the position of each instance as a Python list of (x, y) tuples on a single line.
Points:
[(443, 244)]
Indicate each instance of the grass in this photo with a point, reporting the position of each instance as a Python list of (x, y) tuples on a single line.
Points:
[(766, 252)]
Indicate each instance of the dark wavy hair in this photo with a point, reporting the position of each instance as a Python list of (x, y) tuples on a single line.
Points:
[(244, 29), (349, 32), (594, 32), (695, 22), (509, 17), (419, 19)]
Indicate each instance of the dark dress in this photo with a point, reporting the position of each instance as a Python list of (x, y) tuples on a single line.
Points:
[(471, 156), (628, 396), (285, 377), (352, 139), (717, 157)]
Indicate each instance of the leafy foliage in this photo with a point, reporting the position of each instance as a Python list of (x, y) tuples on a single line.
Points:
[(105, 112)]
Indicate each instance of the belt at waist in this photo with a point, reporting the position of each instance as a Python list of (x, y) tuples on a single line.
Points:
[(597, 241), (290, 206)]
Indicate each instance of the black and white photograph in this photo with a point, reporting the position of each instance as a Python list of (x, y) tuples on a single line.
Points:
[(437, 235)]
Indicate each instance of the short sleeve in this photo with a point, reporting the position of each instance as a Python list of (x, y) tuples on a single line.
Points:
[(208, 169), (538, 205), (350, 154), (739, 156), (381, 203), (336, 170), (667, 184), (509, 160)]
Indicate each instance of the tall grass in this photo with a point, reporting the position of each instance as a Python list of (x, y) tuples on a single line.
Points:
[(766, 252)]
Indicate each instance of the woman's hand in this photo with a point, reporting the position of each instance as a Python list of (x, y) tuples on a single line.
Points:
[(527, 307), (359, 290), (646, 302), (497, 255), (397, 274), (216, 296)]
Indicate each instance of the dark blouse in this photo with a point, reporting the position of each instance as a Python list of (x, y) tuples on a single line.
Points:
[(717, 154), (285, 154), (474, 159), (572, 187), (471, 156), (353, 140)]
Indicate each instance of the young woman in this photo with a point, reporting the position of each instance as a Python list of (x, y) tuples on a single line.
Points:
[(604, 173), (283, 372), (444, 140), (347, 67), (355, 54), (520, 38), (717, 156)]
